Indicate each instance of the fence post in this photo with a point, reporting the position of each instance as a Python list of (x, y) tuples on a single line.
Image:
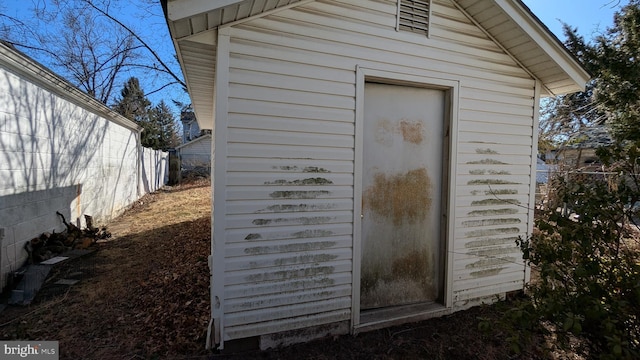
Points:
[(174, 168)]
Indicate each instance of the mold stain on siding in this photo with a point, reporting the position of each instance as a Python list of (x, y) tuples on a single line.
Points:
[(490, 172), (314, 220), (490, 222), (489, 212), (486, 202), (253, 236), (491, 182), (312, 233), (495, 192), (491, 242), (494, 244), (292, 274), (307, 181), (307, 169), (295, 208), (492, 232), (261, 250), (299, 194), (486, 151), (402, 198), (487, 162)]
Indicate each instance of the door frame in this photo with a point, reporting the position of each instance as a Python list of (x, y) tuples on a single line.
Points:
[(452, 91)]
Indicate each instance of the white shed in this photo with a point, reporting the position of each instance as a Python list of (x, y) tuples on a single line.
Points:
[(375, 159)]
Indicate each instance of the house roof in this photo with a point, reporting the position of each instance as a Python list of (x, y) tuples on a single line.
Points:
[(22, 65), (510, 23), (190, 143)]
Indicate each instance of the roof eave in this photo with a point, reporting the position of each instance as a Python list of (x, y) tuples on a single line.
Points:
[(550, 44)]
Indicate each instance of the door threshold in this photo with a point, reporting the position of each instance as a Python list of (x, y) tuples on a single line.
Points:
[(390, 316)]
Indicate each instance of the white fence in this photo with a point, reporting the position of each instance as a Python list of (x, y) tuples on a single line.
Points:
[(60, 150)]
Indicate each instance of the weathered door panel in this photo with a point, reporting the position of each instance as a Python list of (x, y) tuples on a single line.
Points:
[(403, 136)]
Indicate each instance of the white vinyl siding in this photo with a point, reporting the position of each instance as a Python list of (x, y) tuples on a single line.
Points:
[(290, 157)]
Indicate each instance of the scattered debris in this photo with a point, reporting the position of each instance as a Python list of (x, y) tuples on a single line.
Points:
[(50, 245), (33, 276)]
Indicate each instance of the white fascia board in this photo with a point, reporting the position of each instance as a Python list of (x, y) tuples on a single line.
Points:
[(181, 9), (545, 41)]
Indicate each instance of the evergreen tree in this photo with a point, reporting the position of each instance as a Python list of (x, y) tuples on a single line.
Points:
[(617, 90), (162, 117), (612, 97), (134, 105)]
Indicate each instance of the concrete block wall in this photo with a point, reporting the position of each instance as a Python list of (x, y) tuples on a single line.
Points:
[(57, 155)]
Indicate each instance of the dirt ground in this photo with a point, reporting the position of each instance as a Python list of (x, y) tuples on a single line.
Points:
[(144, 294)]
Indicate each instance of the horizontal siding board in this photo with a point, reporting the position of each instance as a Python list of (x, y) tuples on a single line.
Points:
[(463, 296), (298, 166), (491, 258), (284, 274), (276, 95), (278, 246), (288, 323), (289, 232), (524, 101), (283, 138), (286, 179), (489, 160), (236, 291), (286, 298), (289, 311), (513, 274), (494, 169), (265, 206), (258, 64), (251, 121), (291, 258), (249, 221), (291, 82), (483, 190), (470, 223), (487, 139), (285, 151), (494, 119), (483, 243), (296, 193), (295, 111), (491, 200), (496, 107), (492, 149)]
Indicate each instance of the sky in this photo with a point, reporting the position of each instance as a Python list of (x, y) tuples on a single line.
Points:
[(591, 17)]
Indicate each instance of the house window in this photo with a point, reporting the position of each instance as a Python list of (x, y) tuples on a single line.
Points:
[(413, 15)]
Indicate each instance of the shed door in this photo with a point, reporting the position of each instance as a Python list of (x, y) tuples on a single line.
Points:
[(402, 195)]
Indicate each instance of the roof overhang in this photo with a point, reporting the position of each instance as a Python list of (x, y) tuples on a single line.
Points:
[(193, 26), (521, 34)]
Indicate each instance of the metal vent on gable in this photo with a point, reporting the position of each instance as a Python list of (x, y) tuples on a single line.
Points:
[(413, 15)]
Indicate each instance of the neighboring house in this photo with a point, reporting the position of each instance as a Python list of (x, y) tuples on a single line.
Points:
[(580, 150), (196, 153), (62, 150), (375, 161)]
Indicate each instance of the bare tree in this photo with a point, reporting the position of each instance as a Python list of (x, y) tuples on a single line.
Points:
[(90, 43)]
